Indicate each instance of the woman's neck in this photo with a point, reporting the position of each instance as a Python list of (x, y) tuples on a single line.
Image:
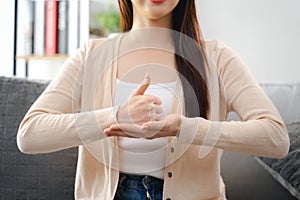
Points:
[(147, 32), (160, 38), (143, 22)]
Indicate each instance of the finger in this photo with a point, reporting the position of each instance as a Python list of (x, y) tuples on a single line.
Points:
[(118, 134), (157, 109), (154, 125), (143, 86), (157, 101), (109, 133), (131, 130), (154, 117), (154, 99)]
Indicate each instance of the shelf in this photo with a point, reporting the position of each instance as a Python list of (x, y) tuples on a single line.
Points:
[(43, 57)]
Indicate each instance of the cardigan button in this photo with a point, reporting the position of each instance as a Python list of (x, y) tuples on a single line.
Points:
[(172, 149), (168, 199), (170, 174)]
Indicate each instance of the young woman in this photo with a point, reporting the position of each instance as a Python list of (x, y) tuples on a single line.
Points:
[(162, 138)]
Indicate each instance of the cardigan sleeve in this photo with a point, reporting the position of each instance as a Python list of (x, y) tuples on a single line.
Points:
[(261, 130), (54, 122)]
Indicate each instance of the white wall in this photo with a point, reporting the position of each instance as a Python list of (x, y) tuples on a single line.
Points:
[(266, 33), (39, 69), (6, 37)]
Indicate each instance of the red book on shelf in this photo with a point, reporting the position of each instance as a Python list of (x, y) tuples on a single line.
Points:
[(51, 27)]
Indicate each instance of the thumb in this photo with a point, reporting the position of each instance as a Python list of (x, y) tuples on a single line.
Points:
[(143, 86)]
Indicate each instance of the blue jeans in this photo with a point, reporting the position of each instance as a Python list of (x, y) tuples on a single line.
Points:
[(135, 187)]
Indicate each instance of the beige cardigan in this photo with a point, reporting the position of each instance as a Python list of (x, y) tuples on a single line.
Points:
[(77, 106)]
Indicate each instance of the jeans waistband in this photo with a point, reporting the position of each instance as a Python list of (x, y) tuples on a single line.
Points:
[(139, 177), (133, 187)]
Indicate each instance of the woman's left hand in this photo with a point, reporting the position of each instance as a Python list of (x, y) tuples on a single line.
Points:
[(169, 126)]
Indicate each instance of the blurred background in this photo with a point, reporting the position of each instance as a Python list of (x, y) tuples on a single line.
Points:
[(264, 33)]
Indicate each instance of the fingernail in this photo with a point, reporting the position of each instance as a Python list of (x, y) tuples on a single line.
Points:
[(144, 127), (147, 77)]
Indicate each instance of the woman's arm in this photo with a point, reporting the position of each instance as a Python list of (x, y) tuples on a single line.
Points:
[(261, 130), (52, 124)]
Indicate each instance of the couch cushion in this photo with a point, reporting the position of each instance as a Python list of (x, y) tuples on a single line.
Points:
[(47, 176), (287, 170)]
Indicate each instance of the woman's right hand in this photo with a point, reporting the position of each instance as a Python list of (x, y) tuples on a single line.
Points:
[(140, 108)]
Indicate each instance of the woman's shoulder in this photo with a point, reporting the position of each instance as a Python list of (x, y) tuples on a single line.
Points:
[(219, 51), (215, 46), (95, 43), (105, 43)]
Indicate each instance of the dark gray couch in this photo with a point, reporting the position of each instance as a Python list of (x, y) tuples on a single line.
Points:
[(52, 176), (48, 176)]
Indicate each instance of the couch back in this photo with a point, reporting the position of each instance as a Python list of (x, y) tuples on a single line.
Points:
[(286, 98), (47, 176)]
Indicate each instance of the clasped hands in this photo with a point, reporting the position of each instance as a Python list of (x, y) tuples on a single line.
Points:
[(139, 117)]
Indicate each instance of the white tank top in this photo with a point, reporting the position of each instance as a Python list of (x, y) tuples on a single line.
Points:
[(138, 155)]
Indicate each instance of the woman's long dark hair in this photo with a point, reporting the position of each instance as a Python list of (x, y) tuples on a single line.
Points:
[(190, 59)]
